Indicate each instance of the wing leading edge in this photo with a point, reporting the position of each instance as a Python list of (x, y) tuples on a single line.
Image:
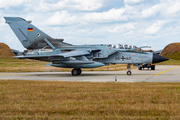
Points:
[(71, 54)]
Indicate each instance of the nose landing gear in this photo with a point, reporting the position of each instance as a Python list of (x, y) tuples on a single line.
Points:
[(129, 69)]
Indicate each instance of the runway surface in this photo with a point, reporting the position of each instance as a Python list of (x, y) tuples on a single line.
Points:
[(163, 73)]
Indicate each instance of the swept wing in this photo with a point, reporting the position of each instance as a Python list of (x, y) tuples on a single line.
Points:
[(71, 54)]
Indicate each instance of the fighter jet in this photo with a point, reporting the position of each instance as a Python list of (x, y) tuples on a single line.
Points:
[(41, 46)]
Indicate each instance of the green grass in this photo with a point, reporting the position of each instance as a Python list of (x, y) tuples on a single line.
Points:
[(175, 56), (17, 65), (170, 62), (86, 100)]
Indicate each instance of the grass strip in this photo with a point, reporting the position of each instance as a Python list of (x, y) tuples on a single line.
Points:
[(86, 100)]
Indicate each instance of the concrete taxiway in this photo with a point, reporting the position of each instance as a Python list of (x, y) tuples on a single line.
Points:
[(163, 73)]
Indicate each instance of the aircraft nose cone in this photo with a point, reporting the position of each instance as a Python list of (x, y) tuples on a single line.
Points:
[(157, 58)]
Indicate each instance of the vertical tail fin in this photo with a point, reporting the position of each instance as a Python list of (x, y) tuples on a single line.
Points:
[(29, 35)]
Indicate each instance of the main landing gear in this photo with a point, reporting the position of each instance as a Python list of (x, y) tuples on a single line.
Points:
[(129, 69), (76, 71)]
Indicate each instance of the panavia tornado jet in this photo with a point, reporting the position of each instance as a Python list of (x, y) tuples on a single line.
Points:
[(41, 46)]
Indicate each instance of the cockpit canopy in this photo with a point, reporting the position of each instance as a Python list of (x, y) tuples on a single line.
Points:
[(121, 46), (125, 46)]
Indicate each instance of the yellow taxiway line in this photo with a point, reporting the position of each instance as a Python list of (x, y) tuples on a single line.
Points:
[(166, 70)]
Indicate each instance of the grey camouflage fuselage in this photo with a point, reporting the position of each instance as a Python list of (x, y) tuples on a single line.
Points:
[(42, 47)]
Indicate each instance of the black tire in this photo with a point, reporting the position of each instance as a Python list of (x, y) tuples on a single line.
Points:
[(129, 73), (140, 68), (153, 67), (79, 71), (75, 72)]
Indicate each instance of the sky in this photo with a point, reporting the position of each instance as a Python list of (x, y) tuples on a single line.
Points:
[(154, 23)]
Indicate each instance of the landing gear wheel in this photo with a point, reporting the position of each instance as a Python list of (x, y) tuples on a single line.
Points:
[(79, 71), (129, 73), (153, 67), (129, 69), (140, 68), (75, 72)]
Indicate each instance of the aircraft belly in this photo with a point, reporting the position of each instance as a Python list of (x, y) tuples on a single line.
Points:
[(91, 65)]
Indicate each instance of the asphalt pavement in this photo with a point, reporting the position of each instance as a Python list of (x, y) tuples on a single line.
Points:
[(163, 73)]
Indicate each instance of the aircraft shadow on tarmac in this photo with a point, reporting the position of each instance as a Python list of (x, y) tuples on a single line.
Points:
[(84, 75), (69, 75)]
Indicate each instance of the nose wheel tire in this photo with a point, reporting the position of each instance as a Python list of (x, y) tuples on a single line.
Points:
[(76, 71), (129, 72), (129, 69)]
